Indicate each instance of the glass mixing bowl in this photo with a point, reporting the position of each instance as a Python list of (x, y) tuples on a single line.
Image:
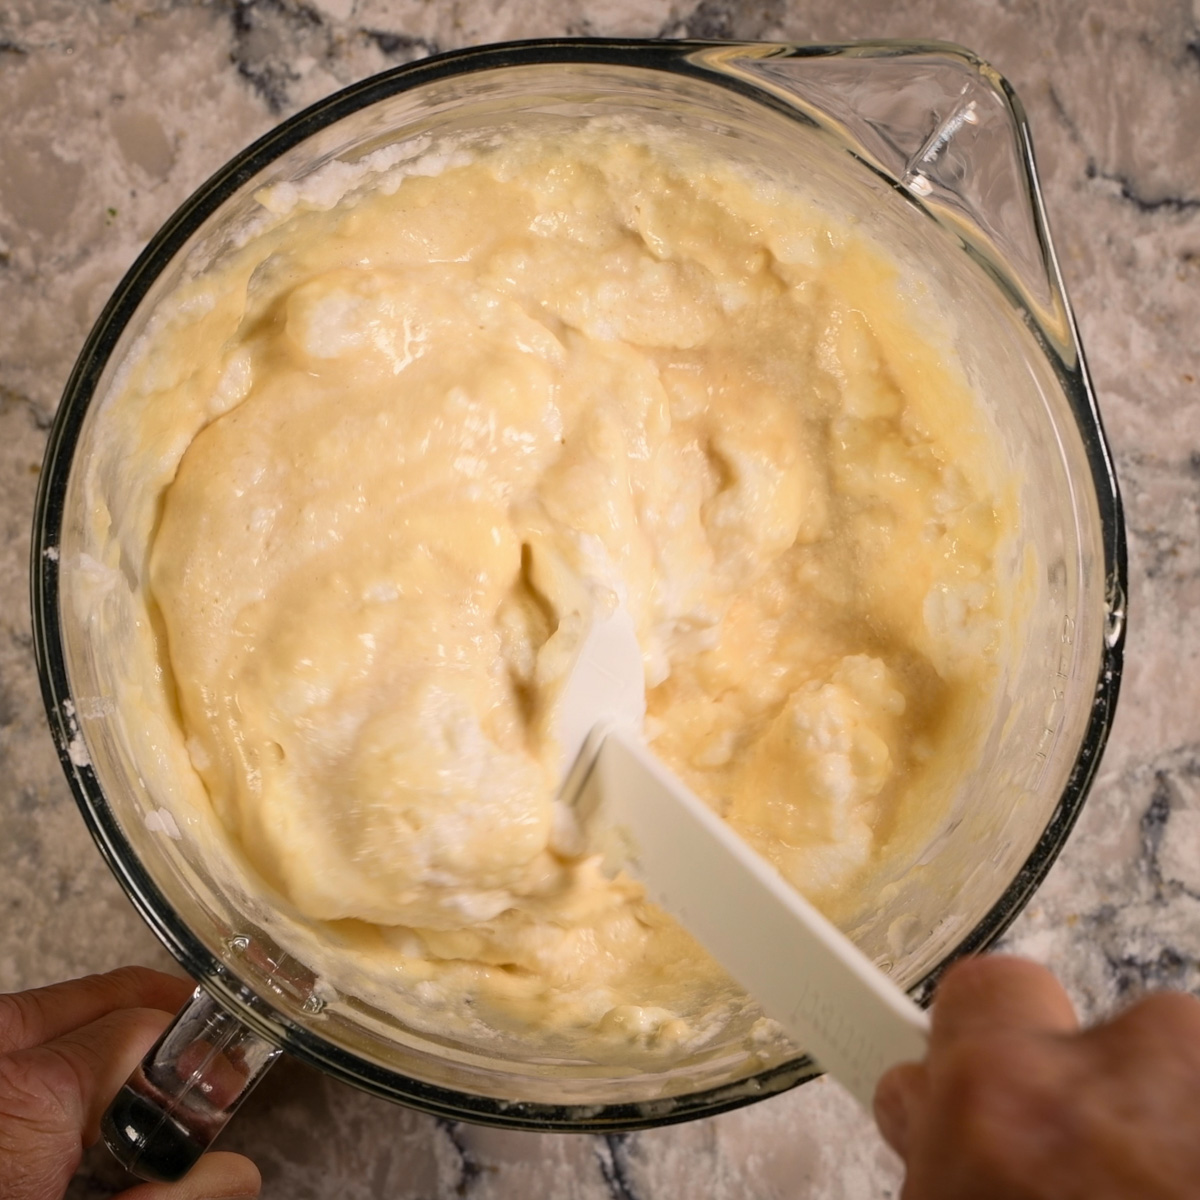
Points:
[(927, 147)]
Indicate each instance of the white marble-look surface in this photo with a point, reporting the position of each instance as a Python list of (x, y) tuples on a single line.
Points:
[(113, 112)]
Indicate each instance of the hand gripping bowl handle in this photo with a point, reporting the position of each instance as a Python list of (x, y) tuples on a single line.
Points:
[(184, 1091)]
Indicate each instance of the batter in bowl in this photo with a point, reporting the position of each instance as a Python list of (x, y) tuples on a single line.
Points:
[(412, 438)]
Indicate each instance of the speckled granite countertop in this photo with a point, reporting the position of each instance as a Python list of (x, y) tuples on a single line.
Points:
[(115, 111)]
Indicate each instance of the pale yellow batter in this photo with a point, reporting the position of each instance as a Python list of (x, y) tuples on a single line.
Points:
[(411, 442)]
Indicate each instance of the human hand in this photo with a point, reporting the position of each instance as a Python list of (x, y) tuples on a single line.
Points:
[(1014, 1102), (65, 1051)]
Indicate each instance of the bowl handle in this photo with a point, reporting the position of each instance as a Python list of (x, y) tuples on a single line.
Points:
[(184, 1091)]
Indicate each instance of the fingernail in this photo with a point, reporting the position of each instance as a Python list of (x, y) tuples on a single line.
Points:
[(892, 1113)]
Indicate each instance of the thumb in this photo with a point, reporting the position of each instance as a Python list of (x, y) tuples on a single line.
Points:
[(217, 1176), (899, 1096), (101, 1056), (51, 1098)]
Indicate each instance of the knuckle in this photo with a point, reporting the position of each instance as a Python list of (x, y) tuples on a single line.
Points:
[(124, 978), (978, 979), (990, 1095), (962, 977), (111, 986), (18, 1021), (968, 1071), (971, 980), (1163, 1023), (1159, 1017), (37, 1090), (1173, 1010), (134, 987)]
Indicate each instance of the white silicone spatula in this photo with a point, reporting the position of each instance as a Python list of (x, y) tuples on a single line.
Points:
[(828, 996)]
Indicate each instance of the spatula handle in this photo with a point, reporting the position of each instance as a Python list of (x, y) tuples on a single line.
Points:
[(829, 997)]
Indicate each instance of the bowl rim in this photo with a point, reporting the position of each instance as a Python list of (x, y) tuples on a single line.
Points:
[(672, 57)]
